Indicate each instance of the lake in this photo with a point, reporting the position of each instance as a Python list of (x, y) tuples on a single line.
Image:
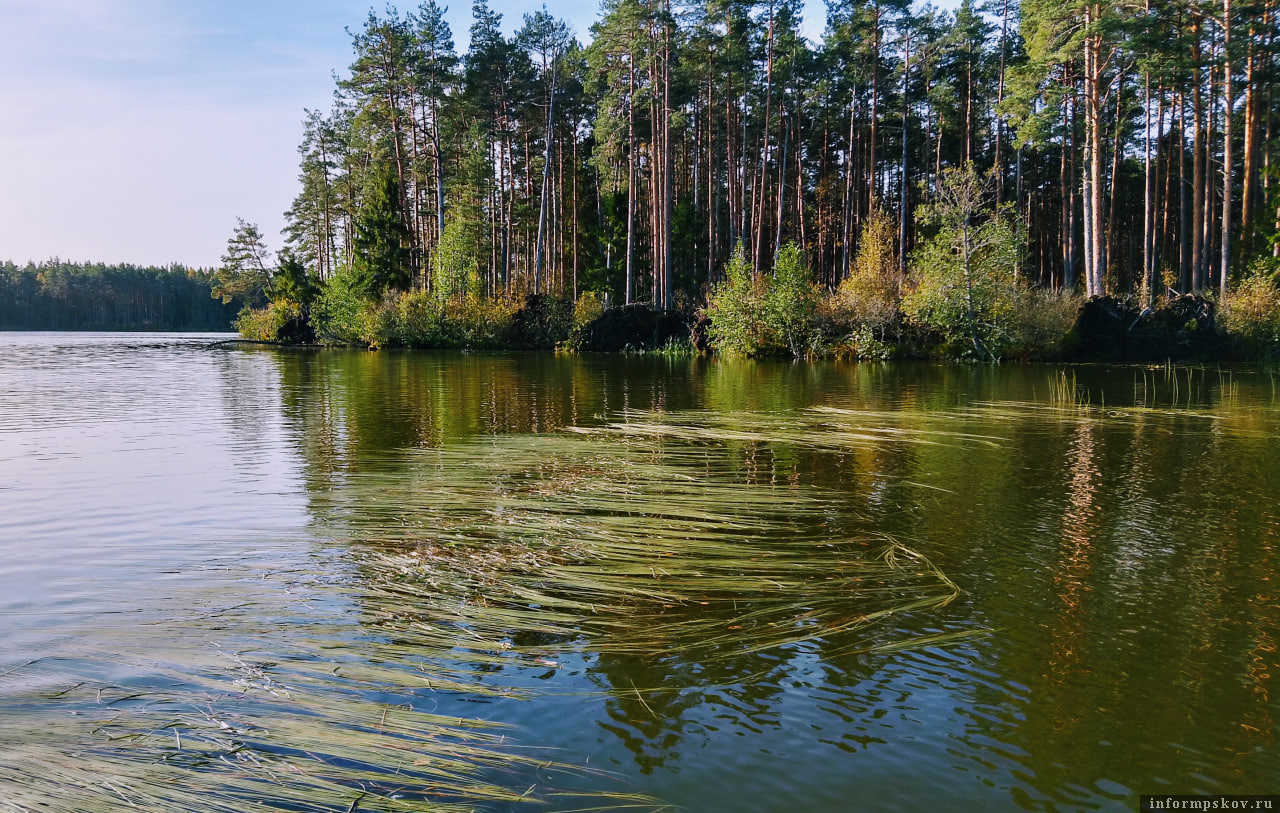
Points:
[(242, 578)]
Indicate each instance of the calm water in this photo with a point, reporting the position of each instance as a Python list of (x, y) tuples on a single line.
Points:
[(219, 563)]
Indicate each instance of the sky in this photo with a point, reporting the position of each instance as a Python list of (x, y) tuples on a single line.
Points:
[(137, 131)]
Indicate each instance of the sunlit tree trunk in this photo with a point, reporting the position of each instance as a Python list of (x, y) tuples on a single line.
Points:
[(1093, 102), (1251, 129), (632, 179), (1148, 199), (1186, 187), (1228, 98), (1068, 185), (999, 165), (1199, 147)]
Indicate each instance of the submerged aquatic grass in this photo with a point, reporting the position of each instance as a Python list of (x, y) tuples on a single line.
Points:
[(277, 723), (830, 429), (639, 537), (482, 569), (485, 569)]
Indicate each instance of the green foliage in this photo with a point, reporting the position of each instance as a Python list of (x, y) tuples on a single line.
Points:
[(454, 269), (735, 309), (289, 289), (266, 324), (863, 314), (422, 321), (605, 164), (1251, 314), (587, 309), (530, 161), (791, 302), (342, 314), (293, 284), (964, 278), (381, 261), (1041, 319), (244, 274), (311, 230), (541, 322), (753, 314), (676, 347)]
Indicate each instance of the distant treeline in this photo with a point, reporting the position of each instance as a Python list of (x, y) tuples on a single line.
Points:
[(56, 295)]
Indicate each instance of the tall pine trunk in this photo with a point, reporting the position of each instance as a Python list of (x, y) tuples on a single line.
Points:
[(1198, 170), (668, 161), (630, 289), (1228, 100), (1249, 190), (1093, 68), (546, 179), (999, 165), (1148, 200), (1069, 256)]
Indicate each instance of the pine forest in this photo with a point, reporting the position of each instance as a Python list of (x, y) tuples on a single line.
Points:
[(1127, 148)]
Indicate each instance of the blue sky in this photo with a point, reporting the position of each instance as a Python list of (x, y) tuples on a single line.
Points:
[(139, 130)]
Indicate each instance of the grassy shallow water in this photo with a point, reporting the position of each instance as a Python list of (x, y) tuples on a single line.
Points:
[(350, 581), (473, 567)]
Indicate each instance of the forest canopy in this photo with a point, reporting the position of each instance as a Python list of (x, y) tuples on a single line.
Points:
[(1132, 143)]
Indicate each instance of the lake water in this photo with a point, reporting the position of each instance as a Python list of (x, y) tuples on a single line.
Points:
[(240, 578)]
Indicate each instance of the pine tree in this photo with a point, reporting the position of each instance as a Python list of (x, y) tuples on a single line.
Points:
[(382, 243)]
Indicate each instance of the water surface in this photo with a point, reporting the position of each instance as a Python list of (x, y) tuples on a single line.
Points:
[(303, 579)]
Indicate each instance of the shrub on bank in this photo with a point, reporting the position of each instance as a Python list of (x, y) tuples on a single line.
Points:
[(964, 279), (950, 310), (735, 309), (1251, 315), (341, 314), (540, 323), (586, 310), (791, 303), (423, 320), (1041, 320), (862, 318), (272, 323), (752, 314)]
